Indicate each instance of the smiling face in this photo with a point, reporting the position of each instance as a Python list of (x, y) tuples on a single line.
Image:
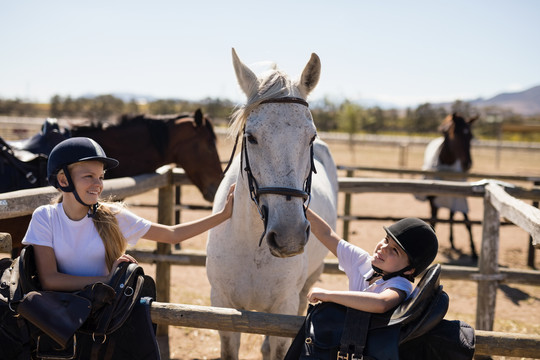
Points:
[(88, 179), (389, 256)]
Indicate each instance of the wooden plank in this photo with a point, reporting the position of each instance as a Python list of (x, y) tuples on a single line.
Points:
[(488, 265), (520, 213), (451, 272), (24, 202), (226, 319), (163, 269), (448, 175)]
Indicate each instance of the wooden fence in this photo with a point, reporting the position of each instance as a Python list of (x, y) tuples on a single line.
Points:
[(499, 201)]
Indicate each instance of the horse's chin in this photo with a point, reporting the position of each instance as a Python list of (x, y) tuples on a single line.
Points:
[(209, 192)]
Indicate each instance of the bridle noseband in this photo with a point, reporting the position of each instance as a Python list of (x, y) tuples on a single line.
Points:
[(255, 191)]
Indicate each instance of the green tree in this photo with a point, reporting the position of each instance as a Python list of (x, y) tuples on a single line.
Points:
[(349, 117), (132, 107), (325, 115), (55, 110), (425, 119), (164, 107), (103, 107)]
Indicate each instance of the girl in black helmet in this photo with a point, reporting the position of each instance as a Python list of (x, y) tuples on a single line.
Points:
[(377, 282), (78, 239)]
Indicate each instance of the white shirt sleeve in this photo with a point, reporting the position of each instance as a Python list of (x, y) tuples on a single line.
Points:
[(133, 226)]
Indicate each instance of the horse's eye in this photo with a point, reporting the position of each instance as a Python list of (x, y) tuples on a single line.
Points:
[(252, 139)]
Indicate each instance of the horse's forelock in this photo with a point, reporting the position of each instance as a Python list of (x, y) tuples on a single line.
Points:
[(274, 84), (447, 126)]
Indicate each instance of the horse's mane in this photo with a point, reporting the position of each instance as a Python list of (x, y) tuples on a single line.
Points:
[(272, 84)]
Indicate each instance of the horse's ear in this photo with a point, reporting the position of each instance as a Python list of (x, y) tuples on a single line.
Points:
[(473, 119), (198, 116), (447, 124), (310, 75), (246, 78)]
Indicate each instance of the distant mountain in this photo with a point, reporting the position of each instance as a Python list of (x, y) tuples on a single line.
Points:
[(525, 102)]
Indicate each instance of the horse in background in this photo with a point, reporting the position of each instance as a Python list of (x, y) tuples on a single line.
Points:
[(451, 152), (143, 143), (280, 168)]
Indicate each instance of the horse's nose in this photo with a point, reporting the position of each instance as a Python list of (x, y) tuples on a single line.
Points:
[(288, 241)]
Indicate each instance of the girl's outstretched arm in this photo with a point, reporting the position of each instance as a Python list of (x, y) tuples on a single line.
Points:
[(180, 232), (323, 231)]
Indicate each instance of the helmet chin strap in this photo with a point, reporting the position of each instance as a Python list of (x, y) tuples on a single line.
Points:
[(379, 272), (71, 188)]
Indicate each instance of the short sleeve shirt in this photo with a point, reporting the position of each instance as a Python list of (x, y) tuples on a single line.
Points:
[(78, 248), (356, 262)]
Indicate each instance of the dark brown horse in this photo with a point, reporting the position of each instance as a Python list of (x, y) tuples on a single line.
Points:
[(144, 143), (452, 152)]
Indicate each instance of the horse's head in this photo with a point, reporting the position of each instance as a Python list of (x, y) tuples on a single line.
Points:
[(193, 143), (278, 132), (457, 140)]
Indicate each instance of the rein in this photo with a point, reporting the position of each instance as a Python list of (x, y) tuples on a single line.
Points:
[(255, 191)]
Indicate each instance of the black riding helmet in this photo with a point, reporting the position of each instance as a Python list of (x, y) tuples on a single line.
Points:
[(74, 150), (418, 240)]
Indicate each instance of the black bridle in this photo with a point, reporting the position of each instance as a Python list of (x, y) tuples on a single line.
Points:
[(255, 191)]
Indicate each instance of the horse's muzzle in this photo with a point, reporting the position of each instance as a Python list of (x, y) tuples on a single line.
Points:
[(287, 243)]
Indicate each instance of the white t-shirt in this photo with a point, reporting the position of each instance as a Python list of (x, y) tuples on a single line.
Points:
[(77, 245), (356, 262)]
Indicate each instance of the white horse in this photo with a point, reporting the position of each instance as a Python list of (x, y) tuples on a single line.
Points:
[(273, 176)]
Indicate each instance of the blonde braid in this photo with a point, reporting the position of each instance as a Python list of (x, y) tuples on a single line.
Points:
[(108, 229)]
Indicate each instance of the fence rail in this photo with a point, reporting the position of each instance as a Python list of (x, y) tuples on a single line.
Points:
[(487, 342), (500, 200)]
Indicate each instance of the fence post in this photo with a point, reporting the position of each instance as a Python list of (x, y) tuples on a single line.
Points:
[(530, 253), (163, 269), (347, 210), (403, 154), (177, 209), (488, 266)]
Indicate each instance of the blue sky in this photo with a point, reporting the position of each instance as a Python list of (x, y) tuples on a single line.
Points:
[(400, 52)]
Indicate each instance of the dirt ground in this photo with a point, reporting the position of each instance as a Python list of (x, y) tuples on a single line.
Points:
[(517, 306)]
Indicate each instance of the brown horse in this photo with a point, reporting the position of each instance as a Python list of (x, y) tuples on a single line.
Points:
[(452, 152), (144, 143)]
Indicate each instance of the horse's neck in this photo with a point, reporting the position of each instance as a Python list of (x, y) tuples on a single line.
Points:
[(447, 156)]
